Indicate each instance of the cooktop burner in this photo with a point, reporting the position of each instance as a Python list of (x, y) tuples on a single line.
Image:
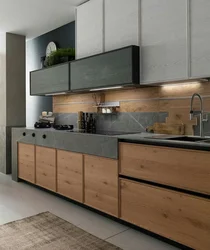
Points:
[(104, 132), (63, 127)]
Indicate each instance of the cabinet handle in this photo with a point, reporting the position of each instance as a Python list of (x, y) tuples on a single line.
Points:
[(44, 136), (24, 133), (33, 134)]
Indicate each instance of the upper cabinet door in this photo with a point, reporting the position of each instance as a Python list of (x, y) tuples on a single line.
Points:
[(200, 38), (110, 69), (89, 28), (164, 40), (121, 23), (50, 80)]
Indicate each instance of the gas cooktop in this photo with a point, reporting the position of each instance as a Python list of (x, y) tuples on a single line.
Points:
[(103, 132)]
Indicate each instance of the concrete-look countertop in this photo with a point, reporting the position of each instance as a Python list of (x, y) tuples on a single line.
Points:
[(148, 139), (92, 144), (98, 145)]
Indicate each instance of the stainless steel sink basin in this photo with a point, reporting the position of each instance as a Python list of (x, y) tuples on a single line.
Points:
[(206, 141), (188, 139), (179, 138)]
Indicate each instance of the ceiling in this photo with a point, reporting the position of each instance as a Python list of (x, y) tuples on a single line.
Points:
[(36, 17)]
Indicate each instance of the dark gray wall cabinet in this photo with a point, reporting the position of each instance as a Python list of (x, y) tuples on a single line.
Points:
[(113, 68), (51, 80)]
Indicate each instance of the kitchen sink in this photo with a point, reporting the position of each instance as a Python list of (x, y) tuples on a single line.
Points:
[(179, 138), (188, 139), (206, 141)]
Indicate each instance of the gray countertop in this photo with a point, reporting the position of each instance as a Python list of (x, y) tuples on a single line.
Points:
[(144, 138), (141, 138), (92, 144)]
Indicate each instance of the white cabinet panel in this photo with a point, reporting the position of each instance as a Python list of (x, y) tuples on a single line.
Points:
[(121, 23), (200, 37), (164, 40), (89, 28)]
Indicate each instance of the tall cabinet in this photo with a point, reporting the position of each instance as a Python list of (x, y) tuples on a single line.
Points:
[(89, 29), (104, 25), (121, 23), (200, 38), (163, 40)]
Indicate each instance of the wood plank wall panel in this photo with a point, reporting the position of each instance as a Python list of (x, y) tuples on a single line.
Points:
[(174, 99), (145, 99)]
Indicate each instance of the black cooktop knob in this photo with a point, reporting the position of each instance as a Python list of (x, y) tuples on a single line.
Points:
[(44, 136), (33, 134), (24, 133)]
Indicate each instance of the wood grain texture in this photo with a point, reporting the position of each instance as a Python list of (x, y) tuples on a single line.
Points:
[(174, 99), (177, 216), (187, 169), (101, 184), (26, 162), (46, 167), (70, 175), (165, 128)]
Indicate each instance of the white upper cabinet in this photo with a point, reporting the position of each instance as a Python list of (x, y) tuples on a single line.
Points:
[(164, 40), (89, 29), (200, 38), (121, 23)]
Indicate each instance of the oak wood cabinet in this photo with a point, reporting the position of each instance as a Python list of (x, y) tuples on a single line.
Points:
[(101, 184), (46, 167), (177, 216), (186, 169), (26, 162), (70, 175)]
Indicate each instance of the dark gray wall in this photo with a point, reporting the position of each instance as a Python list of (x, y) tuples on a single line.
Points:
[(64, 37)]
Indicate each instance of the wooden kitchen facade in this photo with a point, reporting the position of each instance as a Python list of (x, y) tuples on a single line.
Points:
[(160, 189)]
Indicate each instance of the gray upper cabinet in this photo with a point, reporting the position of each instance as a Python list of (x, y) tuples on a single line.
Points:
[(51, 80), (164, 40), (121, 23), (200, 38), (89, 29), (110, 69)]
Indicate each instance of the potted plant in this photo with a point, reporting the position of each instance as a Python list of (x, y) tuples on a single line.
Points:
[(60, 56)]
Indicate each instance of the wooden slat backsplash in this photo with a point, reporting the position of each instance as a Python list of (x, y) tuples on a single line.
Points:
[(150, 99)]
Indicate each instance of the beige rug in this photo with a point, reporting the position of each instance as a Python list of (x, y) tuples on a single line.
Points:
[(46, 231)]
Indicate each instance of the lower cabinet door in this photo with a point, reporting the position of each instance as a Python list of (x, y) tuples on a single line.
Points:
[(177, 216), (70, 175), (46, 167), (101, 184), (26, 162)]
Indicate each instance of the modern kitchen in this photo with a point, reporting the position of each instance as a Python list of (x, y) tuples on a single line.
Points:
[(108, 115)]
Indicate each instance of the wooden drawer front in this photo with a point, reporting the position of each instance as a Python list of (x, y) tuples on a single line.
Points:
[(46, 168), (180, 217), (101, 184), (70, 175), (186, 169), (26, 162)]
